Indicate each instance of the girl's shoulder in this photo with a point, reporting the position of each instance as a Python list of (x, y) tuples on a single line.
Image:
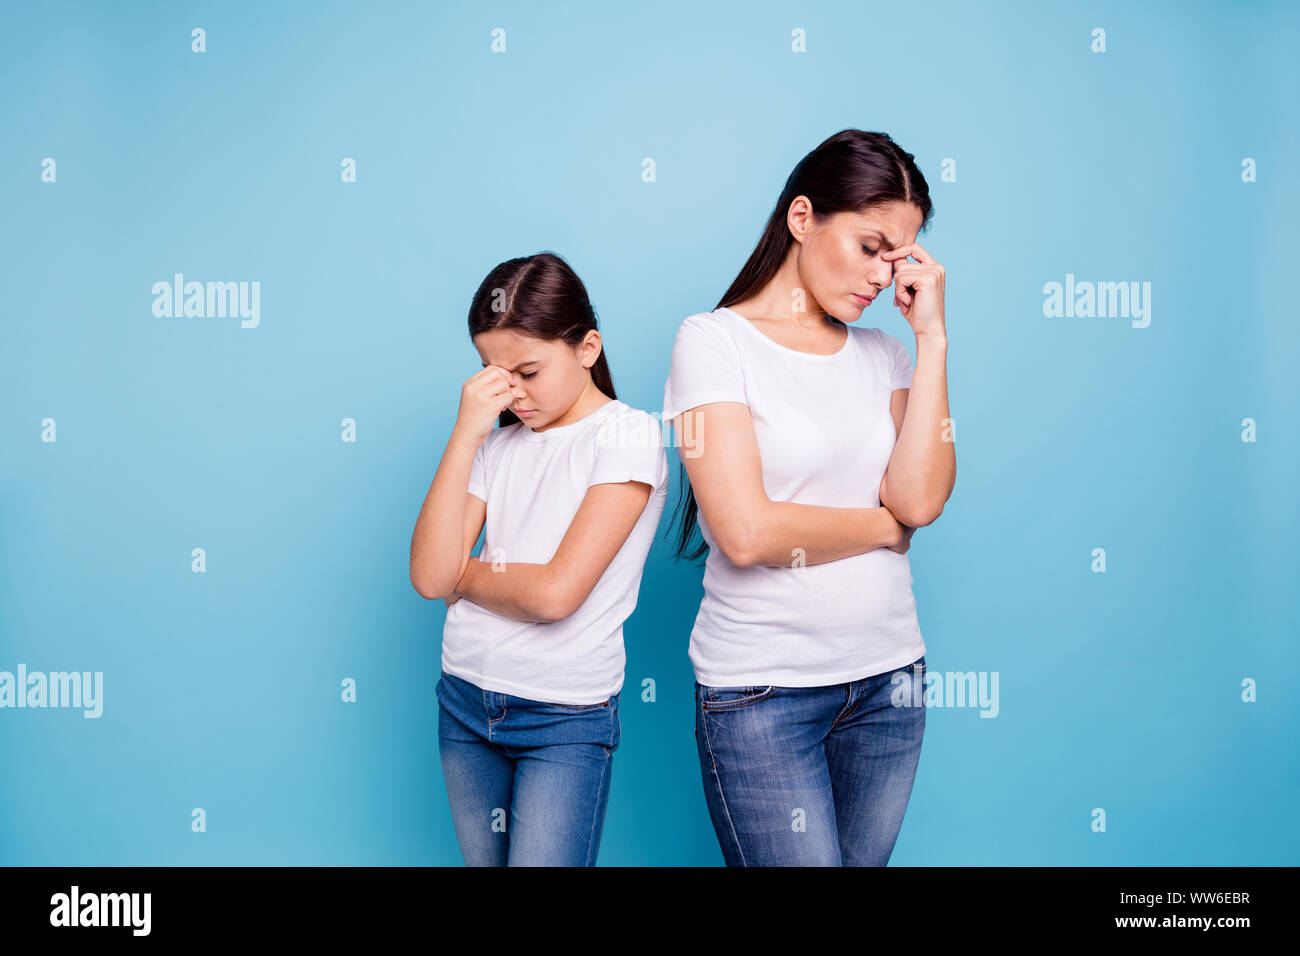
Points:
[(625, 424), (502, 433)]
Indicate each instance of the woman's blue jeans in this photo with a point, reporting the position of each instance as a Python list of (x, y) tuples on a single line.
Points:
[(528, 781), (811, 776)]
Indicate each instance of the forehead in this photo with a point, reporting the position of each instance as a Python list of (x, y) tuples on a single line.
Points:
[(511, 349), (897, 222)]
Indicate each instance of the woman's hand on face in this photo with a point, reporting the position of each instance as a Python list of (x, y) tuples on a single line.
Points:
[(483, 397), (918, 289)]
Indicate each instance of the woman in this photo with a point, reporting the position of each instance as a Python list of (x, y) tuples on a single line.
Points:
[(814, 449), (571, 488)]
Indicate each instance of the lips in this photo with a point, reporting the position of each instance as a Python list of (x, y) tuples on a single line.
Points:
[(868, 298)]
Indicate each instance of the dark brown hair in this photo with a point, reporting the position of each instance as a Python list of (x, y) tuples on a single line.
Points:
[(538, 295), (852, 171)]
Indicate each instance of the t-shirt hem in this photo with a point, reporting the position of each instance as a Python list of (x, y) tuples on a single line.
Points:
[(618, 477), (541, 694), (704, 399), (786, 679)]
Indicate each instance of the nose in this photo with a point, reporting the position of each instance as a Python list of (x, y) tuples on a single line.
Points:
[(882, 275)]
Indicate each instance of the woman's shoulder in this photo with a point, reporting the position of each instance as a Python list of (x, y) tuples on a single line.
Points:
[(877, 340), (715, 328), (715, 319)]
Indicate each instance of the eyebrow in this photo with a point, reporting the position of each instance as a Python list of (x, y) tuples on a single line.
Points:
[(883, 241), (519, 366)]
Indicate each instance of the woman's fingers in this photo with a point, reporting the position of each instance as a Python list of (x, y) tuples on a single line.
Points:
[(913, 249)]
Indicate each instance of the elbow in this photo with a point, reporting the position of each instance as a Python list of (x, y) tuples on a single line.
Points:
[(555, 605), (428, 587), (741, 536), (421, 588), (919, 515), (741, 550)]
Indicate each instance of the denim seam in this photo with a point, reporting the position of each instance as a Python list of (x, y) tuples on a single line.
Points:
[(595, 811), (496, 720), (850, 703), (722, 797)]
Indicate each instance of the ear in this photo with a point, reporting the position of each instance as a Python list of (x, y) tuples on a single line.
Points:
[(590, 348), (798, 217)]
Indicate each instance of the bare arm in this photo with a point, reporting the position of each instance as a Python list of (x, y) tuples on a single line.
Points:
[(553, 591), (923, 467), (723, 464), (441, 541), (439, 549)]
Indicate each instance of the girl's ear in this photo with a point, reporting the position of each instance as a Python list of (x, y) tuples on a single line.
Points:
[(589, 350)]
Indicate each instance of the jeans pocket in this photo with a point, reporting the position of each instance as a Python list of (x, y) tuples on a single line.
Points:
[(714, 699), (580, 708)]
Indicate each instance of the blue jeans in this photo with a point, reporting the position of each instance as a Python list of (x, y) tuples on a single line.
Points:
[(528, 781), (811, 776)]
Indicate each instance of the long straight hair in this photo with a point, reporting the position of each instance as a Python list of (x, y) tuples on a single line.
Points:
[(538, 295), (852, 171)]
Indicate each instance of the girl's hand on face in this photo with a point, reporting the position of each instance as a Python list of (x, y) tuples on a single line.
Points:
[(483, 397), (918, 289)]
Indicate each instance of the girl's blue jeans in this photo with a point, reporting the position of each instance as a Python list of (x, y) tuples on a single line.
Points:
[(528, 781), (811, 776)]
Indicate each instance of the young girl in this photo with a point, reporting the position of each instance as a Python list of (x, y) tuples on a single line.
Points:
[(571, 487), (817, 468)]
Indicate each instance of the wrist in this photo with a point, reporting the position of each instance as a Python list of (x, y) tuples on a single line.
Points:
[(459, 441), (891, 530)]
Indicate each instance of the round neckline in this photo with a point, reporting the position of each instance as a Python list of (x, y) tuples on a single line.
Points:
[(816, 356), (530, 435)]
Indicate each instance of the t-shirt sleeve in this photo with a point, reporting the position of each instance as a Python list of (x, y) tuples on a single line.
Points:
[(705, 367), (899, 361), (630, 448), (478, 473)]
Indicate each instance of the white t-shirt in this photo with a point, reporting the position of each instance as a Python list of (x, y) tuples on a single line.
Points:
[(533, 483), (825, 435)]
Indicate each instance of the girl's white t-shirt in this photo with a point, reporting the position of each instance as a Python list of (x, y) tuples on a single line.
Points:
[(825, 436), (533, 483)]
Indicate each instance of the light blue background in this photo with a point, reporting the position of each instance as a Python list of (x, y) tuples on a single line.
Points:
[(1118, 690)]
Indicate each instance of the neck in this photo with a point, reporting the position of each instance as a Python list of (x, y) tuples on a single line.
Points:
[(785, 298), (591, 399)]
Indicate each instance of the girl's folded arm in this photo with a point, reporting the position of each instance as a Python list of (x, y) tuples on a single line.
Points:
[(553, 591)]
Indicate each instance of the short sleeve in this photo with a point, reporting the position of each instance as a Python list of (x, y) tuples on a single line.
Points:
[(629, 447), (705, 367), (478, 473), (900, 362)]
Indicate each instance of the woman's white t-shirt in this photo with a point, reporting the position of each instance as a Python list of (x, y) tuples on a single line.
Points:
[(533, 483), (825, 436)]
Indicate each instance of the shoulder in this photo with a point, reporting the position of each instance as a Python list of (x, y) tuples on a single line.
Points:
[(878, 341), (715, 324), (499, 437), (635, 433), (624, 425)]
